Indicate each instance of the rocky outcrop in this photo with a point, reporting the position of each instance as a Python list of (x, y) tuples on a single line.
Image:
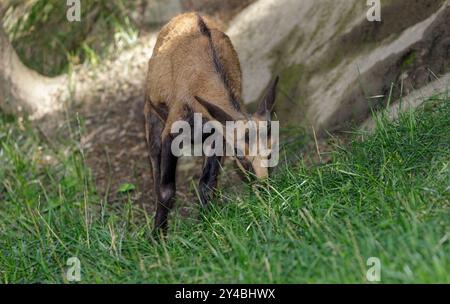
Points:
[(437, 88), (335, 65)]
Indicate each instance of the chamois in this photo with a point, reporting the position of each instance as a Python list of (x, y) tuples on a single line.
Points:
[(194, 69)]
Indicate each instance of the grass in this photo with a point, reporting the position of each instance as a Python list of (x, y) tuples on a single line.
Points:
[(105, 28), (386, 196)]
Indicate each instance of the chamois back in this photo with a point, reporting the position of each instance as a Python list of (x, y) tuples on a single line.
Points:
[(193, 57)]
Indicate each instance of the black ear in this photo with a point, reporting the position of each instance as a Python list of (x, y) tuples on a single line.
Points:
[(216, 112), (266, 105)]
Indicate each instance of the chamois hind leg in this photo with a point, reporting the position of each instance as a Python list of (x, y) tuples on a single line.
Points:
[(208, 181), (153, 130), (167, 186)]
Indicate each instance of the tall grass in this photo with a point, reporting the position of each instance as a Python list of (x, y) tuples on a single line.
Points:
[(105, 28), (384, 196)]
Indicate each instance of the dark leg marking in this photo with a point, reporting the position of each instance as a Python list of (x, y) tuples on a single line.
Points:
[(154, 127), (167, 186)]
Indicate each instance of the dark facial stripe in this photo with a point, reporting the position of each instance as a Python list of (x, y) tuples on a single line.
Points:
[(220, 69)]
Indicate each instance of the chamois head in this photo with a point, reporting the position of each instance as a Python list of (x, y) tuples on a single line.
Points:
[(252, 133)]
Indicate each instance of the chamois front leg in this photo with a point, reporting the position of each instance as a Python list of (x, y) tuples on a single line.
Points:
[(167, 187), (208, 181)]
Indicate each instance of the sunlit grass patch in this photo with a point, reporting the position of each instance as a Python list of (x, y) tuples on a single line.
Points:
[(386, 195), (105, 28)]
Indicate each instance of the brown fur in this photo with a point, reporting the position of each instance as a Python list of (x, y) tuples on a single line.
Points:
[(182, 66), (194, 69)]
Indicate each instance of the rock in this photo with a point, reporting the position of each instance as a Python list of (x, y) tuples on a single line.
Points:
[(413, 99), (161, 11), (332, 59)]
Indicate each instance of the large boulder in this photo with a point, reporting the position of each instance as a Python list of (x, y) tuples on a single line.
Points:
[(334, 64)]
